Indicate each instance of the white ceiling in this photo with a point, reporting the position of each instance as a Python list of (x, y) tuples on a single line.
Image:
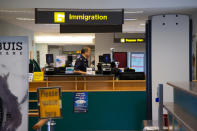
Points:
[(10, 15), (99, 4), (134, 26)]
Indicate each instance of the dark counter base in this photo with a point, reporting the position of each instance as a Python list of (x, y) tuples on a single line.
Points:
[(107, 111)]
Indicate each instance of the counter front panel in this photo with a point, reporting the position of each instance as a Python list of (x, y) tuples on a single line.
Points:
[(112, 104), (79, 83), (106, 111)]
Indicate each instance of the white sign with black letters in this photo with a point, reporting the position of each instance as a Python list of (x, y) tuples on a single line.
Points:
[(14, 83)]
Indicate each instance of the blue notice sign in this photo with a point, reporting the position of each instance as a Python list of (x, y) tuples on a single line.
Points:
[(81, 102)]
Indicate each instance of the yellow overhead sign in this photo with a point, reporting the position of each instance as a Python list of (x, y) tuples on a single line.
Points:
[(49, 102), (59, 17), (79, 16), (132, 40)]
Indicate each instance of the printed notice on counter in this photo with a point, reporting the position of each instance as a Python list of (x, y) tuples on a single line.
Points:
[(49, 101), (38, 76), (81, 102)]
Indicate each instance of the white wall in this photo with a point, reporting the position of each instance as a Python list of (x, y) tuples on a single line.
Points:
[(104, 41), (58, 50), (72, 47), (55, 50), (7, 29)]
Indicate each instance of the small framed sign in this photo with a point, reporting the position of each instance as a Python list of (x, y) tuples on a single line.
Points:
[(38, 76), (80, 102), (49, 102)]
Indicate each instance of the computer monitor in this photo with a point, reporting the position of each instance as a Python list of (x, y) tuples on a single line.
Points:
[(49, 58), (101, 58), (69, 61), (70, 58), (106, 58), (138, 61)]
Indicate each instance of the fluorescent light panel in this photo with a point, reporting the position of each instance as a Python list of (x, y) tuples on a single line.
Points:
[(25, 19), (130, 19), (65, 39), (142, 24), (13, 11), (134, 12)]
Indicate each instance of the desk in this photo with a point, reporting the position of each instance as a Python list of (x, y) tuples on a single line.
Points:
[(87, 83)]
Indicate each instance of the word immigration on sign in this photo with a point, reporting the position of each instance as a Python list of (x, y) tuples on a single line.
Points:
[(87, 17)]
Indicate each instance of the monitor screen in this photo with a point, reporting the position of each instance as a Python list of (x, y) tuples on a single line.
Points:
[(106, 58), (49, 58), (137, 62), (70, 58), (60, 61), (101, 58)]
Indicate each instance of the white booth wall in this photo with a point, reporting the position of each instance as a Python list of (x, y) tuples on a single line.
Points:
[(62, 50), (170, 54), (103, 43)]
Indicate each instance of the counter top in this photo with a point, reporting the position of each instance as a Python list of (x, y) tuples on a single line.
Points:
[(75, 75), (182, 116), (89, 84), (189, 87)]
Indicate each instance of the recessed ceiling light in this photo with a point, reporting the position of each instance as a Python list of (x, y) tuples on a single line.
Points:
[(63, 39), (142, 24), (134, 12), (25, 19), (130, 19)]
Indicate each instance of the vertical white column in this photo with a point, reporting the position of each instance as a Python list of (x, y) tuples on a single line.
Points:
[(170, 53)]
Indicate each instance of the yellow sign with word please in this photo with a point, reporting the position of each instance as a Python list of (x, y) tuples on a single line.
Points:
[(49, 102)]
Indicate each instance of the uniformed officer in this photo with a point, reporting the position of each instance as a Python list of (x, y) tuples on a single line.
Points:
[(82, 62)]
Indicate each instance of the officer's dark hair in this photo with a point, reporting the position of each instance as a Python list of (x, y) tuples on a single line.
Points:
[(84, 49)]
